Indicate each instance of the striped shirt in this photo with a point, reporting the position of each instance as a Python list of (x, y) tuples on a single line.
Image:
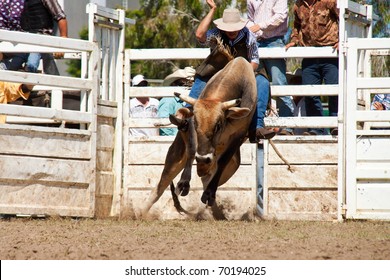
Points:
[(253, 51), (270, 15)]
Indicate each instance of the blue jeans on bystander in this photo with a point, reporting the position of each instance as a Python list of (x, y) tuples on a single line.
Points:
[(316, 71), (276, 68)]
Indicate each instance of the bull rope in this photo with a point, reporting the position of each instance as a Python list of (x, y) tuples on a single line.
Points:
[(281, 157)]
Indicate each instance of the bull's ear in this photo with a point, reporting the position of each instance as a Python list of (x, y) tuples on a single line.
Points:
[(237, 113)]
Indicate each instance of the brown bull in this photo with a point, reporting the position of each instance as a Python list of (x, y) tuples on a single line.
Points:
[(212, 133)]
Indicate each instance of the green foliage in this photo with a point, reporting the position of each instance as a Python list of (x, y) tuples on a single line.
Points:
[(74, 66), (166, 24)]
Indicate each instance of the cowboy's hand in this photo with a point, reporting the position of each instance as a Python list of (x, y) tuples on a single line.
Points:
[(336, 46), (211, 4)]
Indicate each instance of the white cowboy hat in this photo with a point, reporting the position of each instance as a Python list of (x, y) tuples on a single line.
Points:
[(231, 21), (186, 73)]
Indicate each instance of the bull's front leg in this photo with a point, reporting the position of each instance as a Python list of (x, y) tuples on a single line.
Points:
[(227, 162), (183, 186)]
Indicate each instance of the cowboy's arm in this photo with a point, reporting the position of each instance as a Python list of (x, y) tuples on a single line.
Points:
[(205, 23)]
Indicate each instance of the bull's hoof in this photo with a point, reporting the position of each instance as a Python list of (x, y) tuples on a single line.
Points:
[(208, 198), (183, 188)]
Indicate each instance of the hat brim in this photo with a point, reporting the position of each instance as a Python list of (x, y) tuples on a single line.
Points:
[(230, 27), (177, 75)]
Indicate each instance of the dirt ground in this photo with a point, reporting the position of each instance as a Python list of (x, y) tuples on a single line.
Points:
[(83, 239)]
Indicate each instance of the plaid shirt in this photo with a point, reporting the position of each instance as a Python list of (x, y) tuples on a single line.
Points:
[(253, 53), (384, 99)]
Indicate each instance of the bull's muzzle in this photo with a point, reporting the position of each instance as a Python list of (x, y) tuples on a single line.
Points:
[(203, 164), (204, 159)]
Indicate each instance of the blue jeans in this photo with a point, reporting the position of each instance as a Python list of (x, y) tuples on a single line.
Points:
[(315, 71), (13, 61), (276, 68), (33, 61), (262, 98), (197, 87), (49, 65)]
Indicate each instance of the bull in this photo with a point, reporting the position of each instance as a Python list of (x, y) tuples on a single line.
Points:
[(211, 133)]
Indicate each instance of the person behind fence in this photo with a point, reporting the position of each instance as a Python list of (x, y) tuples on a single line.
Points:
[(169, 105), (316, 24), (295, 78), (380, 102), (39, 17), (142, 107), (12, 91), (10, 14), (231, 30), (268, 20)]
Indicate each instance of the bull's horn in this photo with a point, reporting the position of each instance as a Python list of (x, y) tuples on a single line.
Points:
[(186, 98), (231, 103)]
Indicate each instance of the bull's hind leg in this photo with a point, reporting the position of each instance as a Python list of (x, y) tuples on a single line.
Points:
[(174, 163)]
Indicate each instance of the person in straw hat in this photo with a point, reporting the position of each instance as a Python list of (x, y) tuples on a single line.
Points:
[(169, 105), (231, 32)]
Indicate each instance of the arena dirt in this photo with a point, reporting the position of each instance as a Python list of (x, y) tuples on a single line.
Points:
[(83, 239)]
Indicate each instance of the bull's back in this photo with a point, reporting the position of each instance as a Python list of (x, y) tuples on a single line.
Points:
[(235, 80)]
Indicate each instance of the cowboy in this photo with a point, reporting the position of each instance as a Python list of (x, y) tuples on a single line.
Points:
[(237, 40), (169, 105)]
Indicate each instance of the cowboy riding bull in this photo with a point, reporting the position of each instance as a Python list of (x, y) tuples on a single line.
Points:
[(212, 132), (224, 97)]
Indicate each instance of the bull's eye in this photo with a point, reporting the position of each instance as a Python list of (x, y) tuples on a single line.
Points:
[(218, 127)]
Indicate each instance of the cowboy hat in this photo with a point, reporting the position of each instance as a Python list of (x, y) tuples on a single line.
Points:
[(231, 21), (186, 73), (139, 80)]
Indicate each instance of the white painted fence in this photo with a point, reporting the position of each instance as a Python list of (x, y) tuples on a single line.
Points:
[(366, 155), (320, 185), (99, 170), (56, 170)]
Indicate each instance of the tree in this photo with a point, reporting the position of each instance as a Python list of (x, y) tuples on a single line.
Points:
[(74, 66), (166, 24)]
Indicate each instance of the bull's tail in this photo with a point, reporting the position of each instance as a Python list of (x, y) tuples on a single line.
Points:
[(176, 201)]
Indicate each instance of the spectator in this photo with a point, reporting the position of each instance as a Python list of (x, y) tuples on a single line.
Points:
[(12, 91), (316, 25), (298, 101), (38, 17), (10, 13), (237, 38), (268, 20), (143, 107), (381, 102), (169, 105)]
